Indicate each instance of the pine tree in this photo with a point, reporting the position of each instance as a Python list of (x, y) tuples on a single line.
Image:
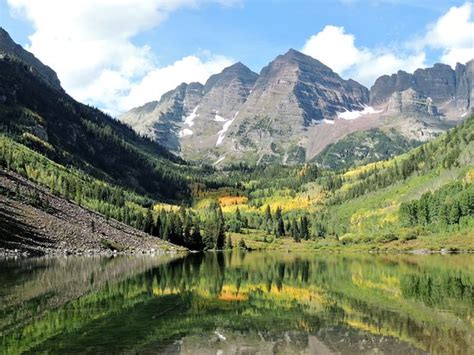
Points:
[(268, 213), (304, 228), (280, 225), (294, 231), (228, 244), (242, 244), (148, 222), (220, 238)]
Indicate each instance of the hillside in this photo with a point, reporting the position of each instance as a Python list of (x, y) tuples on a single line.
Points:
[(73, 134), (33, 221), (420, 199)]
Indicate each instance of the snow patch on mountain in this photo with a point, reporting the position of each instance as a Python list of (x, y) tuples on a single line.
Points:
[(219, 160), (225, 128), (189, 120), (218, 118), (185, 132), (352, 115), (328, 121)]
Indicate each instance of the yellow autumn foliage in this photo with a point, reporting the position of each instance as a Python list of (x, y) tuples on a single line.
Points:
[(469, 175), (165, 206), (225, 201)]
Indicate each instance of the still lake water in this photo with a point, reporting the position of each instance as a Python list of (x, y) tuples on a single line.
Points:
[(238, 303)]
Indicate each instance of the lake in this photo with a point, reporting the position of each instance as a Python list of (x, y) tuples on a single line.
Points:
[(239, 303)]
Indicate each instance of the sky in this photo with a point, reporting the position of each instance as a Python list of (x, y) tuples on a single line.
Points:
[(119, 54)]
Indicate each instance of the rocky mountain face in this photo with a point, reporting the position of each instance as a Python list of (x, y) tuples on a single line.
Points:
[(449, 88), (300, 88), (257, 118), (292, 93), (191, 116), (297, 106), (411, 102), (14, 51), (162, 120)]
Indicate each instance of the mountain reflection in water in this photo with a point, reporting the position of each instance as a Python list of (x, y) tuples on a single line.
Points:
[(259, 302)]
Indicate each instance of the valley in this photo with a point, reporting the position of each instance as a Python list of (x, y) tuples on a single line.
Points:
[(236, 177), (338, 175)]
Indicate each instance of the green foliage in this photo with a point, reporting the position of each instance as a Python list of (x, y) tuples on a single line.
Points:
[(214, 228), (364, 147), (443, 208), (242, 244)]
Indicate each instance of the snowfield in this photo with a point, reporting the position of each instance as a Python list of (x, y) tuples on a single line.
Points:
[(185, 132), (352, 115), (189, 120), (225, 128)]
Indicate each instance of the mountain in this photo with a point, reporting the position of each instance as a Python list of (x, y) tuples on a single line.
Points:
[(190, 117), (9, 48), (239, 114), (297, 106), (452, 90), (36, 112), (292, 93)]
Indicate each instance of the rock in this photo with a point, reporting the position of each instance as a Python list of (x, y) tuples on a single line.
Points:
[(440, 83), (238, 110), (9, 48), (410, 102)]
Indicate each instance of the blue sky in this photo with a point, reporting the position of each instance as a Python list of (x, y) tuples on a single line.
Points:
[(173, 40)]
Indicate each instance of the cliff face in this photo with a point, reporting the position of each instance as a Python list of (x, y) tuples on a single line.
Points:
[(194, 113), (410, 102), (440, 83), (9, 48)]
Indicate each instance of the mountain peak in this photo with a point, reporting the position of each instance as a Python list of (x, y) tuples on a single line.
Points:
[(293, 56), (235, 71), (5, 39), (236, 67), (10, 48)]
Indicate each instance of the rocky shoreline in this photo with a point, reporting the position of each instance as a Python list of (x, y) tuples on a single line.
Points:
[(58, 226)]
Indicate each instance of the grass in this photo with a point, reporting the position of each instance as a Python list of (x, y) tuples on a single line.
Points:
[(456, 241)]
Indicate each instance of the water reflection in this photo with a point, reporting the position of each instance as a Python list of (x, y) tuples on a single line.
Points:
[(239, 303)]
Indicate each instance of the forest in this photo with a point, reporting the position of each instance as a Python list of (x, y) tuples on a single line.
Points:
[(294, 203), (86, 156)]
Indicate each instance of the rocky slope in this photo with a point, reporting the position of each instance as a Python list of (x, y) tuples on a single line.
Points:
[(192, 117), (35, 222), (9, 48), (291, 94)]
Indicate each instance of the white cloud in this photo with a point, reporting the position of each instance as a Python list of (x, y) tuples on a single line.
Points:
[(452, 33), (333, 47), (336, 48), (160, 80), (89, 44)]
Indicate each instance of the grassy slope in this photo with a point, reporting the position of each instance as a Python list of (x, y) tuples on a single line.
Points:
[(368, 217)]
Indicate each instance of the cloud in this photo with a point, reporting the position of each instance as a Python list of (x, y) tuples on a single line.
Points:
[(158, 81), (336, 48), (89, 44), (452, 33)]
